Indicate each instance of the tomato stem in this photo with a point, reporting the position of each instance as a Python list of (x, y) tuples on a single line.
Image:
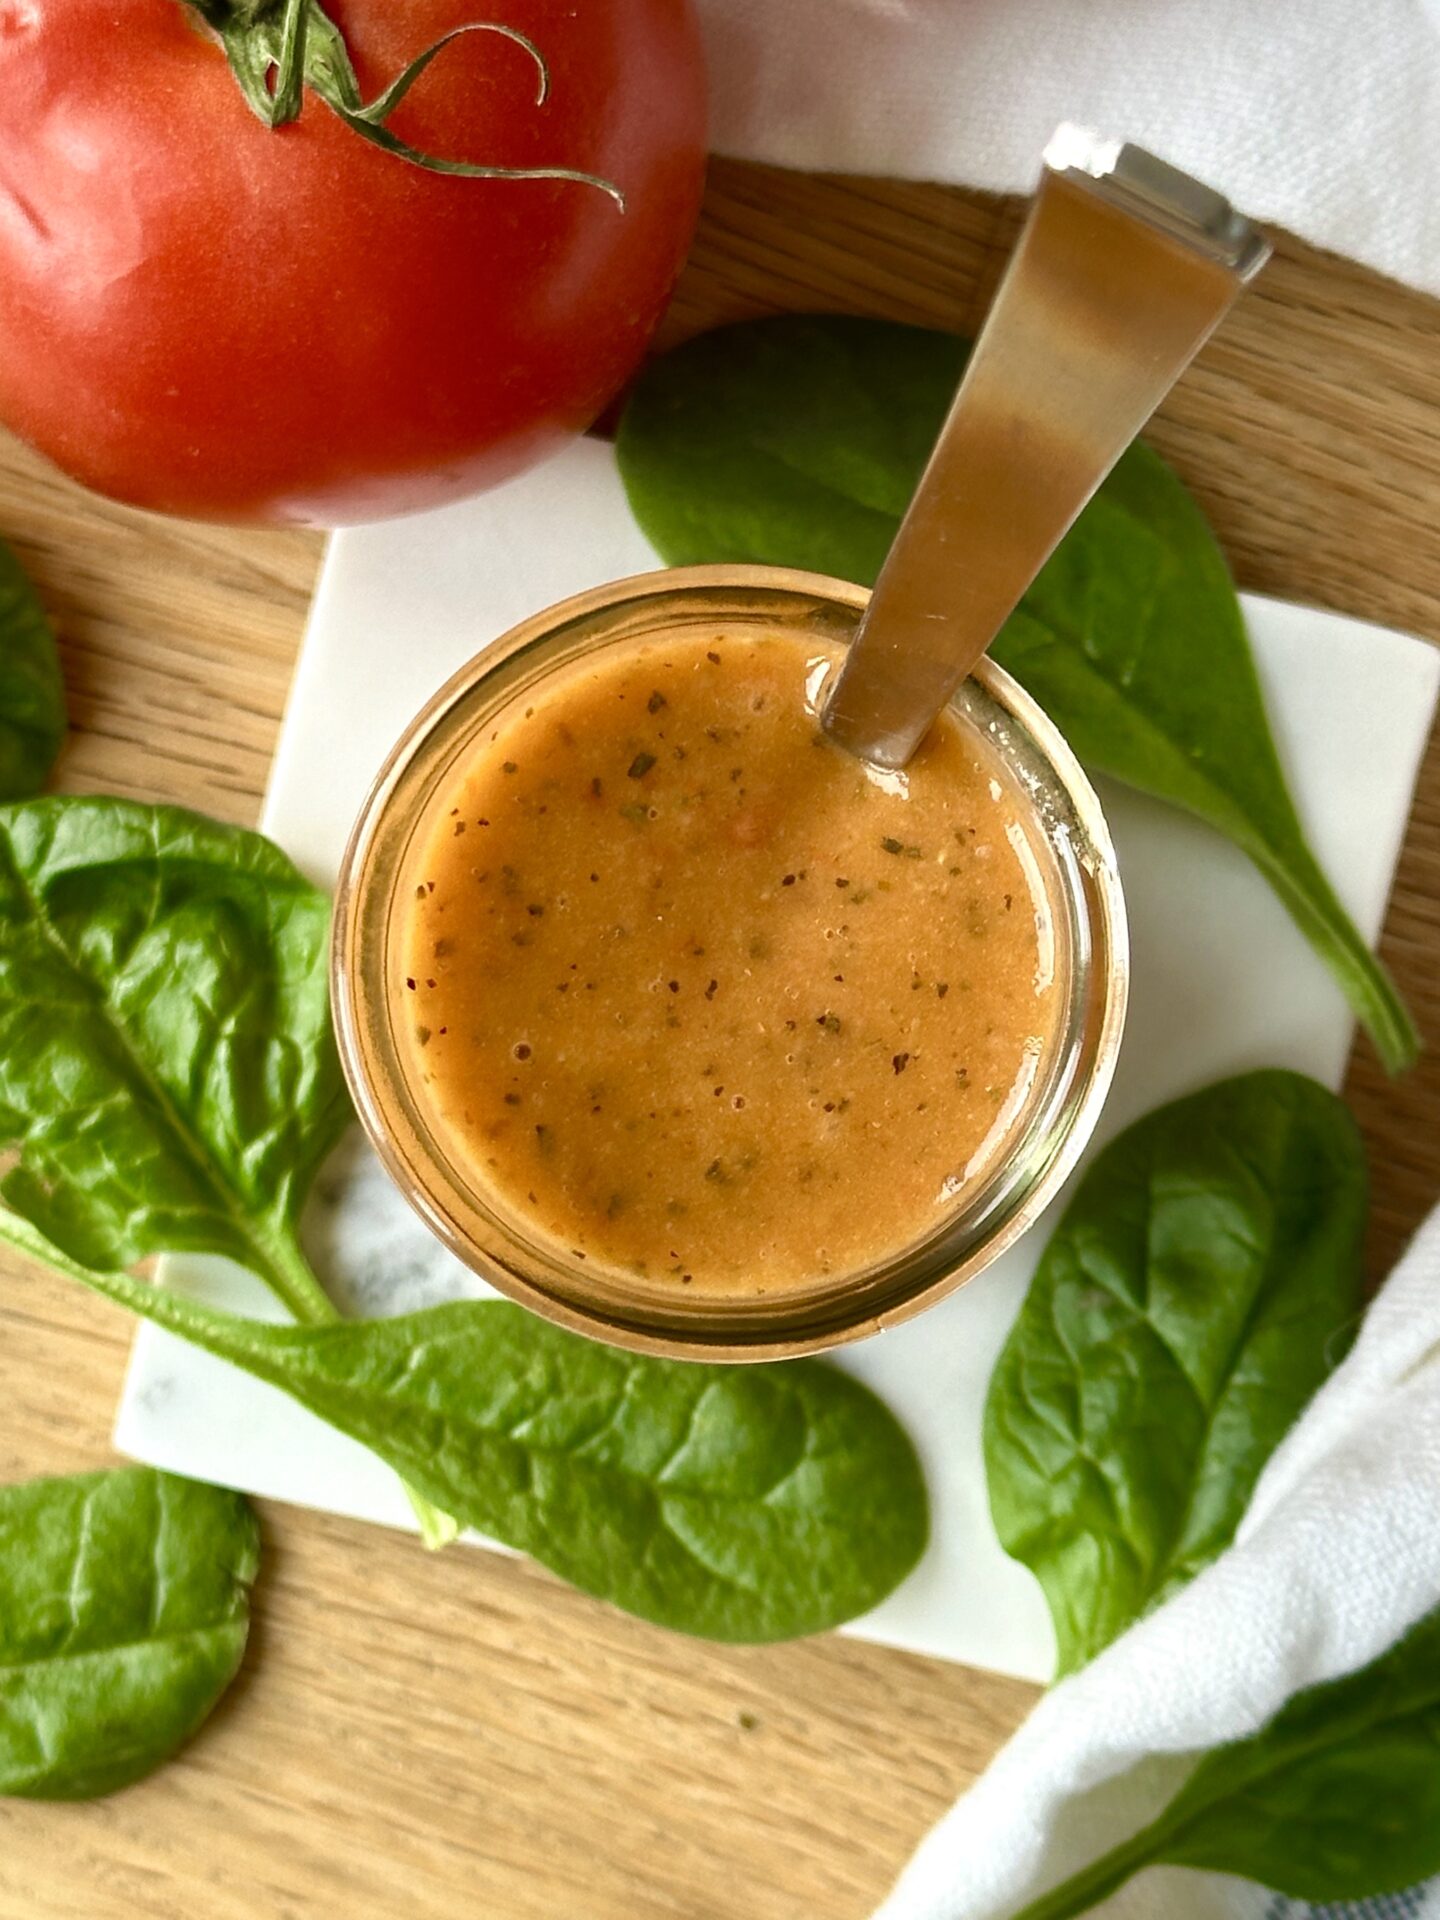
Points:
[(278, 48)]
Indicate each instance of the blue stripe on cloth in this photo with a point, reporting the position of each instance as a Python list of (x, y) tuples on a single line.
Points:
[(1417, 1903)]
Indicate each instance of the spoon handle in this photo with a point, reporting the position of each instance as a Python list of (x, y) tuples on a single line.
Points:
[(1123, 269)]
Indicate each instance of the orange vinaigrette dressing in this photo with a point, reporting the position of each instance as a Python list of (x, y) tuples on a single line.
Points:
[(701, 998)]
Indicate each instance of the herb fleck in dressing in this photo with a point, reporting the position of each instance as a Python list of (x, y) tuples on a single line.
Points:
[(704, 999)]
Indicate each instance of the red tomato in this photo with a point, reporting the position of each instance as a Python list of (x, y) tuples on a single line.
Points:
[(205, 316)]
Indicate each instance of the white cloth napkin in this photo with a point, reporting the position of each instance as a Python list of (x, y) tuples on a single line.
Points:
[(1338, 1555), (1320, 116)]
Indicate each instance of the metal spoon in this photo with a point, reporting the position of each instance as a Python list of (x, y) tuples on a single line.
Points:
[(1124, 268)]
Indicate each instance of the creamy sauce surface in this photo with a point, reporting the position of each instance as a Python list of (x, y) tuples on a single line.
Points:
[(701, 998)]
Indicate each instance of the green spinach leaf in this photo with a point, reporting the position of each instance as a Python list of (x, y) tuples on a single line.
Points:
[(124, 1605), (1337, 1799), (737, 1503), (32, 691), (168, 1076), (1200, 1285), (798, 441), (168, 1080)]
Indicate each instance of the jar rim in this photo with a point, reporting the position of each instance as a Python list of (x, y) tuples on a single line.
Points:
[(799, 1320)]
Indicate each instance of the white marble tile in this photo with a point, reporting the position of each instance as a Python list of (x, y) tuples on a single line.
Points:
[(1222, 982)]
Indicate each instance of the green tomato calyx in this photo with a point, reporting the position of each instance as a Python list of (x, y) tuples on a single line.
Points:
[(278, 48)]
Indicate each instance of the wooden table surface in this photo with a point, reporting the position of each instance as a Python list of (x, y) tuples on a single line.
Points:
[(462, 1735)]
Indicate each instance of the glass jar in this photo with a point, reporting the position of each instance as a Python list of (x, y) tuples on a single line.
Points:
[(989, 1215)]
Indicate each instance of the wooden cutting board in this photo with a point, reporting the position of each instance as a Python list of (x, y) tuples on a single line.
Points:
[(483, 1741)]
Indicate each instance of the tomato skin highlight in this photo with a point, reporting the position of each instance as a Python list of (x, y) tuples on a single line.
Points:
[(207, 317)]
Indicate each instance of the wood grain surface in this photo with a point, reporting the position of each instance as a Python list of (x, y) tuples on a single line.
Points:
[(432, 1738)]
